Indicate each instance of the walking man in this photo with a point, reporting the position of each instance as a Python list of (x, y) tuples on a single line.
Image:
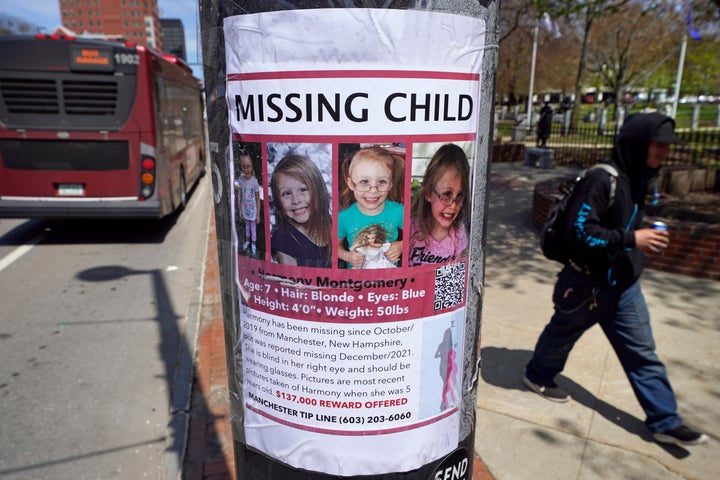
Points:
[(600, 282)]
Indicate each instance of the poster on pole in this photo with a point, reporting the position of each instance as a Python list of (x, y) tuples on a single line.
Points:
[(353, 134)]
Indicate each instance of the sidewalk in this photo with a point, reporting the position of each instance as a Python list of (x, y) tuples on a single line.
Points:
[(597, 435), (209, 454), (600, 433)]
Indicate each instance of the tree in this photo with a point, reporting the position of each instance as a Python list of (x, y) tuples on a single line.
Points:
[(513, 17), (607, 43), (512, 69), (702, 64), (625, 48), (555, 58), (555, 55), (514, 50), (702, 67), (14, 26), (588, 11)]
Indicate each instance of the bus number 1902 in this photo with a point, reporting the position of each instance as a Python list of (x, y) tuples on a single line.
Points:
[(127, 58)]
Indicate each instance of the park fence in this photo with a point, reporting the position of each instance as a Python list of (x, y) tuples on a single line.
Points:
[(586, 145)]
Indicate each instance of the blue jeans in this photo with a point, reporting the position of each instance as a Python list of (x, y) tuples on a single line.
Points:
[(624, 318)]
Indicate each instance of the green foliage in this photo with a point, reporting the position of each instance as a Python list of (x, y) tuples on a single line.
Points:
[(702, 67), (415, 188), (568, 65), (707, 117)]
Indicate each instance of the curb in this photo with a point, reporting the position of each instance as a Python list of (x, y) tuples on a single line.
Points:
[(209, 445)]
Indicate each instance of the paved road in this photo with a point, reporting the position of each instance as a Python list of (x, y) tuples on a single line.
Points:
[(96, 331)]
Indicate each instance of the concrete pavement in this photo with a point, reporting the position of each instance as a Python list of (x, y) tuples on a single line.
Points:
[(599, 434)]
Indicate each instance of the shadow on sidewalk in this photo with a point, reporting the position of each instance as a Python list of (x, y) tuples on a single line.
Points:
[(503, 367)]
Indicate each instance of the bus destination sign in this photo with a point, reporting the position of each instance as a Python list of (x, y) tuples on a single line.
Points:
[(91, 59)]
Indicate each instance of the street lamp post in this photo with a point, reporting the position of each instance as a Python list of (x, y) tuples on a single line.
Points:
[(532, 78), (678, 78)]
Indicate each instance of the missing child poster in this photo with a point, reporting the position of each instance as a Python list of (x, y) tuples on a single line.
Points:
[(353, 137)]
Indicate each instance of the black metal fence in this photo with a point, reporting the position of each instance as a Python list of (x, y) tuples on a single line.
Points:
[(585, 145)]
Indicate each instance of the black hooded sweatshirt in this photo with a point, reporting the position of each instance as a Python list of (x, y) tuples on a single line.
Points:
[(601, 236)]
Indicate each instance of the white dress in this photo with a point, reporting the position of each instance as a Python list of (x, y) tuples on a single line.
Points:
[(375, 256)]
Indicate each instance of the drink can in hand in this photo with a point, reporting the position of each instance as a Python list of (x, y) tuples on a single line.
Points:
[(660, 226)]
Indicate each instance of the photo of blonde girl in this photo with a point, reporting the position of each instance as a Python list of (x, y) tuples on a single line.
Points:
[(302, 230), (249, 203), (440, 209), (372, 242), (369, 177)]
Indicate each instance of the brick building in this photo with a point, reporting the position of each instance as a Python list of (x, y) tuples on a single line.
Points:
[(135, 20)]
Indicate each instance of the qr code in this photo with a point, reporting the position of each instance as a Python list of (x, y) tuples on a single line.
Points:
[(449, 285)]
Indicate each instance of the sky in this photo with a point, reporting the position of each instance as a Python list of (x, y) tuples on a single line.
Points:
[(46, 14)]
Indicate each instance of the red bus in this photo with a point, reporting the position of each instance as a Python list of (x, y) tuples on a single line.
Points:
[(96, 129)]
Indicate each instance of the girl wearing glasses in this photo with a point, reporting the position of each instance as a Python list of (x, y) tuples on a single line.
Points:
[(302, 234), (370, 175), (437, 229)]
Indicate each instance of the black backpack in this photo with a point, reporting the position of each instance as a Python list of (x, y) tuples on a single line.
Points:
[(552, 242)]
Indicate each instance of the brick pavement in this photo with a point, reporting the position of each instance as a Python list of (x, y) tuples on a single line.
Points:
[(209, 453)]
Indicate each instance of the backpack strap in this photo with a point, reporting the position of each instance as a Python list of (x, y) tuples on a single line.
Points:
[(612, 171)]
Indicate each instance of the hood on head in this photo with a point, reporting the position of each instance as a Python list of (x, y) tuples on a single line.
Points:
[(631, 149)]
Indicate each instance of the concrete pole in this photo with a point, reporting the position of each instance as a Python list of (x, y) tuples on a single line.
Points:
[(336, 372)]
